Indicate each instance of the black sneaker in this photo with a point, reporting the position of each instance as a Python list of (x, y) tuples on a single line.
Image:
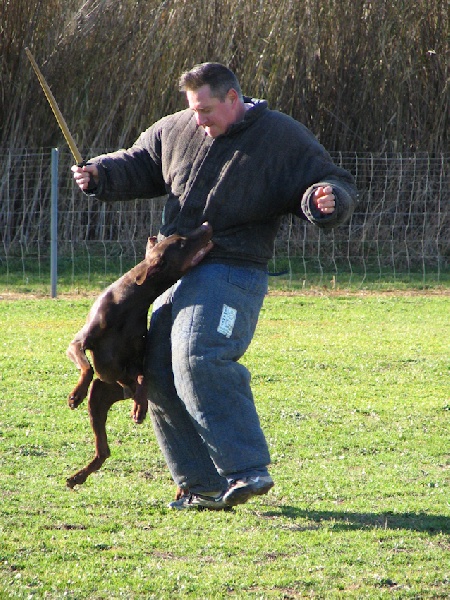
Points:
[(200, 502), (242, 490)]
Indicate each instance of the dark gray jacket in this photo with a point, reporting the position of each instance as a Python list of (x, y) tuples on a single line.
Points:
[(242, 182)]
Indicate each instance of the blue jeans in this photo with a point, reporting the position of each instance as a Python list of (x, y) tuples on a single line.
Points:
[(200, 400)]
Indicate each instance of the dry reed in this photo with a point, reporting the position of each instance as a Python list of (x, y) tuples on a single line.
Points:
[(364, 76)]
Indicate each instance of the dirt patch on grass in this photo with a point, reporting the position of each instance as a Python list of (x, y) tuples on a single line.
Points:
[(328, 292), (438, 291)]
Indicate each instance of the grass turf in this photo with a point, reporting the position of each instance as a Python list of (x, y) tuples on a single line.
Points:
[(353, 394)]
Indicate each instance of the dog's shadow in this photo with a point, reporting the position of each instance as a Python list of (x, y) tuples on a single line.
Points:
[(350, 521)]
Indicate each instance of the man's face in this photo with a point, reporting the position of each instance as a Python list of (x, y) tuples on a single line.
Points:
[(214, 115)]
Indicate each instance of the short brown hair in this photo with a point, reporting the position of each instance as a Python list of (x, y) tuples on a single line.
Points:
[(219, 78)]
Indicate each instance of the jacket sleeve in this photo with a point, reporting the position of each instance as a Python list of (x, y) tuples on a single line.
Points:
[(133, 173), (346, 197)]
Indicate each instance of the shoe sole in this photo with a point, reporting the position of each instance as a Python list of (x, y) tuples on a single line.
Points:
[(227, 508), (200, 507), (241, 496)]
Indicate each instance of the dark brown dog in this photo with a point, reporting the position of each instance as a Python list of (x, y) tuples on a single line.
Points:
[(115, 333)]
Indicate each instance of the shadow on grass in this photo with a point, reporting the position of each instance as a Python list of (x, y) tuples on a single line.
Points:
[(341, 521)]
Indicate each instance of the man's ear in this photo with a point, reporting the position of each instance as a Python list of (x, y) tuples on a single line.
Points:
[(233, 95)]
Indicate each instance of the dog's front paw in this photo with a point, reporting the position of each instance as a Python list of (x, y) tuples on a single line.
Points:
[(139, 412)]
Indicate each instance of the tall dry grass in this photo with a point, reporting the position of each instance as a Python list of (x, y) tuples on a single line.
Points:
[(366, 76)]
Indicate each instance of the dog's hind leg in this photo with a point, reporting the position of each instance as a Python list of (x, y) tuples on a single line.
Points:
[(78, 356), (102, 396)]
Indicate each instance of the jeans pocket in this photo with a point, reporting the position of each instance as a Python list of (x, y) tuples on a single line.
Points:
[(248, 279)]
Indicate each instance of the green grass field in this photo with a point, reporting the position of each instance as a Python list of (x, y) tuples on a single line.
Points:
[(354, 396)]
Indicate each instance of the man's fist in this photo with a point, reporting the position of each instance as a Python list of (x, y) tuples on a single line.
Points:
[(82, 175), (324, 199)]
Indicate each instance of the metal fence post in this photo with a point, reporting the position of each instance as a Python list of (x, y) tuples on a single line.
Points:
[(54, 224)]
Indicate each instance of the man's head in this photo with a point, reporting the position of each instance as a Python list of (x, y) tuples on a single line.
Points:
[(214, 94)]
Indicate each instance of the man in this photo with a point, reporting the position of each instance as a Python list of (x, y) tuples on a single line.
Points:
[(228, 160)]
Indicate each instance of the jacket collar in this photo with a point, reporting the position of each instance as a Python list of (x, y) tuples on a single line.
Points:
[(252, 114)]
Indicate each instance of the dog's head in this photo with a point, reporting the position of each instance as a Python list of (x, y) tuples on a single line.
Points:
[(172, 257)]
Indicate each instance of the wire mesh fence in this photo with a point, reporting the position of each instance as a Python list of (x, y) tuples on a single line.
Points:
[(399, 231)]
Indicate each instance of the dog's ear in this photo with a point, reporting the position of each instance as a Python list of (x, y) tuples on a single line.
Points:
[(145, 270), (151, 243)]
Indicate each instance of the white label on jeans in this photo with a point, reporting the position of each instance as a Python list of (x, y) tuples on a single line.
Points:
[(227, 321)]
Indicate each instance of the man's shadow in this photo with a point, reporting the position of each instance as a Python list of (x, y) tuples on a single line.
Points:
[(350, 521)]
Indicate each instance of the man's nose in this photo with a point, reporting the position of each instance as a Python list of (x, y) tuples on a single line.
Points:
[(201, 120)]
